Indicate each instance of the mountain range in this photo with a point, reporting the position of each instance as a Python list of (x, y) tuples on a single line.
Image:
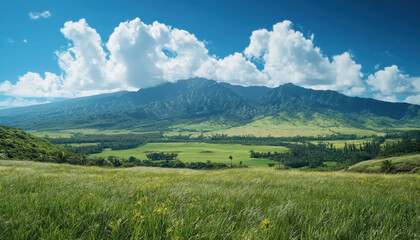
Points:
[(199, 100)]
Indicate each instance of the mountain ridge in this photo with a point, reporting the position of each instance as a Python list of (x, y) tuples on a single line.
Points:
[(197, 99)]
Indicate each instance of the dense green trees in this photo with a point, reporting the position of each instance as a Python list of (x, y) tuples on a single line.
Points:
[(101, 141), (16, 144), (314, 155), (161, 156), (176, 164)]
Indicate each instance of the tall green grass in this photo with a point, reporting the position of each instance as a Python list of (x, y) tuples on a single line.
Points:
[(50, 201)]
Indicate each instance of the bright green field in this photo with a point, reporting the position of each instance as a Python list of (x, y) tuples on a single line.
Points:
[(80, 144), (199, 152), (70, 132), (341, 143), (284, 126), (374, 166), (51, 201)]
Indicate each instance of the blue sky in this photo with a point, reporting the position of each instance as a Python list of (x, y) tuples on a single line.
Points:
[(360, 48)]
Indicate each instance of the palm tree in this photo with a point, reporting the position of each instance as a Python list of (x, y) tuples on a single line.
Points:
[(387, 166), (61, 157)]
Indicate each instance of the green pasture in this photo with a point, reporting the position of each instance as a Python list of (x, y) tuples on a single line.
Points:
[(199, 152), (70, 132), (341, 143), (79, 144), (284, 126)]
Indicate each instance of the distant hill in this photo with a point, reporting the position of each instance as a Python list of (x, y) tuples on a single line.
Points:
[(198, 100), (17, 144), (406, 163)]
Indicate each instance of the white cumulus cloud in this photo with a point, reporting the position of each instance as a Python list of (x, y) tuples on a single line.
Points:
[(235, 69), (391, 84), (139, 55), (289, 56), (34, 85), (391, 80), (19, 102), (38, 15), (414, 99), (84, 62)]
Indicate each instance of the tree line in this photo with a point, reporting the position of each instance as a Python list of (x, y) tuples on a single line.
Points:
[(102, 141), (314, 155)]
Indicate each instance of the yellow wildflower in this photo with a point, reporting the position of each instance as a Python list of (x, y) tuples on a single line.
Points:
[(138, 216), (142, 201), (265, 223)]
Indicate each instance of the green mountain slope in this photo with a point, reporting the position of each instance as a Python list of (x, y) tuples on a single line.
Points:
[(290, 96), (17, 144), (196, 101)]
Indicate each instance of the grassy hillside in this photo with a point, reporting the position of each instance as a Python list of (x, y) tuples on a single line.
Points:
[(199, 152), (16, 144), (285, 126), (407, 163), (51, 201)]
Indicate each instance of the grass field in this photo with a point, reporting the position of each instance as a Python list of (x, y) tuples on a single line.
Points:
[(51, 134), (70, 132), (284, 126), (51, 201), (341, 143), (79, 144), (401, 162), (199, 152)]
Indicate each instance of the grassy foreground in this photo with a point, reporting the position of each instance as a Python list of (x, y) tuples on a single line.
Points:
[(51, 201)]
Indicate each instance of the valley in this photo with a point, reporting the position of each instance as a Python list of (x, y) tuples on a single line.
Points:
[(206, 160), (209, 120)]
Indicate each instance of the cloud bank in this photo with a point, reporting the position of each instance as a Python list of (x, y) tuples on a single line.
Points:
[(19, 102), (392, 83), (139, 55)]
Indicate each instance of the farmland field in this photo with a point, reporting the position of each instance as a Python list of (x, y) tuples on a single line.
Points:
[(60, 201), (199, 152)]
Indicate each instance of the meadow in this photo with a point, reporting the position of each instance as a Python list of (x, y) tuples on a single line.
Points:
[(199, 152), (60, 201), (67, 133), (286, 126), (342, 143)]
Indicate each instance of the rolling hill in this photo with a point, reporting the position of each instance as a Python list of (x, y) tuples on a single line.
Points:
[(197, 101), (405, 163), (17, 144)]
